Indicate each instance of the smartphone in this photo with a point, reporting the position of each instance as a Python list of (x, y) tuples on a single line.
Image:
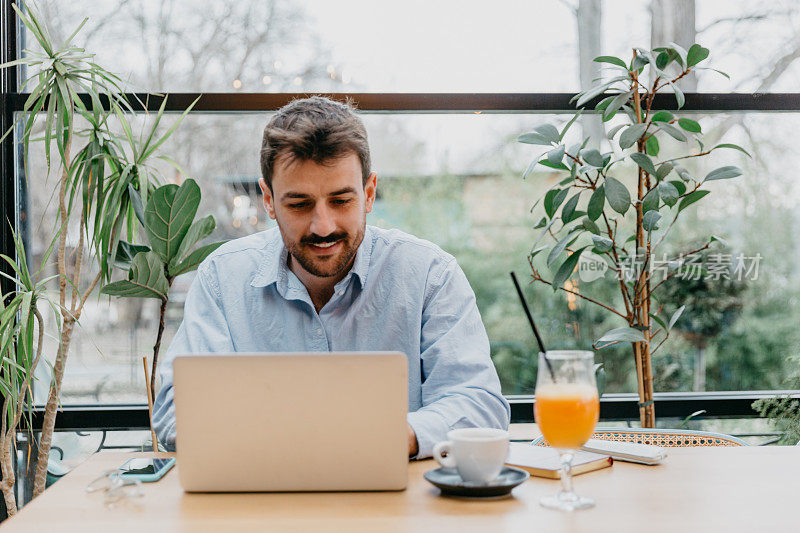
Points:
[(146, 470)]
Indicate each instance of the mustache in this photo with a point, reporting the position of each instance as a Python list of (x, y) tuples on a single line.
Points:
[(316, 239)]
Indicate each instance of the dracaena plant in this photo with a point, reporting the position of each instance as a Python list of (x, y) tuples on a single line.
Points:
[(599, 208), (21, 322), (100, 186), (172, 232)]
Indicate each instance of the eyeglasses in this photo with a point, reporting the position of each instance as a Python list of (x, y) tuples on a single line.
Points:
[(116, 487)]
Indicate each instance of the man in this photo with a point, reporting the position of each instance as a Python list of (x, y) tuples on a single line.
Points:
[(325, 281)]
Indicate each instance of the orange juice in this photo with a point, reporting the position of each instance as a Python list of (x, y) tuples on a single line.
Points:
[(566, 413)]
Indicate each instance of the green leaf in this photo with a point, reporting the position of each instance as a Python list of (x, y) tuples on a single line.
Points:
[(650, 201), (723, 173), (662, 60), (611, 59), (650, 220), (587, 95), (682, 54), (675, 316), (529, 169), (566, 268), (696, 54), (548, 131), (145, 279), (194, 259), (136, 201), (683, 173), (672, 131), (660, 321), (715, 70), (662, 116), (663, 170), (617, 195), (613, 131), (555, 155), (668, 193), (644, 162), (734, 147), (199, 230), (631, 135), (542, 223), (569, 124), (549, 198), (536, 251), (689, 125), (679, 185), (557, 166), (639, 62), (613, 106), (559, 197), (651, 145), (592, 157), (534, 138), (560, 246), (603, 104), (568, 213), (691, 198), (148, 151), (679, 97), (720, 240), (622, 335), (126, 252), (596, 203), (590, 226), (601, 244), (168, 215)]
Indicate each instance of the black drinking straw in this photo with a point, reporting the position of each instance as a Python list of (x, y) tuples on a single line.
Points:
[(533, 325)]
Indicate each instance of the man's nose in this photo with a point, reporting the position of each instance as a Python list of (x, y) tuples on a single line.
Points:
[(322, 223)]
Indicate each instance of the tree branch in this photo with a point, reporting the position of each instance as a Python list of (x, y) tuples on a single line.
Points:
[(537, 277)]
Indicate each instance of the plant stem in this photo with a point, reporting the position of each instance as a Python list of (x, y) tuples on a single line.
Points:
[(538, 278), (67, 323), (149, 403), (641, 298), (157, 346)]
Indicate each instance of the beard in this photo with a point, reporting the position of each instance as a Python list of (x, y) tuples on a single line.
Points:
[(329, 266)]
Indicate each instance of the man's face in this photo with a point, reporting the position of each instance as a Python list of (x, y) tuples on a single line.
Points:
[(321, 211)]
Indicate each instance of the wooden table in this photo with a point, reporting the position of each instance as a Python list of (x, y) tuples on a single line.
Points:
[(696, 489)]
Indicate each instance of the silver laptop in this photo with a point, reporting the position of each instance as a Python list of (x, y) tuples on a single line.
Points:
[(292, 421)]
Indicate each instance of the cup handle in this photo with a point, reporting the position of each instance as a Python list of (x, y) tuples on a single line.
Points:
[(445, 447)]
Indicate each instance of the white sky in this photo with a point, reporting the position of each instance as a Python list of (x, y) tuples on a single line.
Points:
[(520, 46)]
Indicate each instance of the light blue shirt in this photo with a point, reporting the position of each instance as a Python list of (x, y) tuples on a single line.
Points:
[(402, 294)]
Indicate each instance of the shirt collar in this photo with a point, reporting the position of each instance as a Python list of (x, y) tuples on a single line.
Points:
[(274, 266)]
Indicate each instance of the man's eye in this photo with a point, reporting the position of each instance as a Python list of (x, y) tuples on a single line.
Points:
[(299, 205), (340, 201)]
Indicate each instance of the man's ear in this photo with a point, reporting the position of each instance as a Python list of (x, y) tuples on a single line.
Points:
[(369, 191), (269, 201)]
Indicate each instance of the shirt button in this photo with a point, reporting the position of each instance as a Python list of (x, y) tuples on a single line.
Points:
[(319, 331)]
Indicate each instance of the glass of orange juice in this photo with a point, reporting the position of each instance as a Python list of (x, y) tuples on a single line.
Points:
[(567, 408)]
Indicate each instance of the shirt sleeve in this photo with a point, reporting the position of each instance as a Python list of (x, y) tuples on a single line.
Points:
[(203, 330), (460, 387)]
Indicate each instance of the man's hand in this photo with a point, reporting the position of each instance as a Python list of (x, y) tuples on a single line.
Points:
[(413, 446)]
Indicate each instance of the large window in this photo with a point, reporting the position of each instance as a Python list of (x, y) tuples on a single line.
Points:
[(455, 178)]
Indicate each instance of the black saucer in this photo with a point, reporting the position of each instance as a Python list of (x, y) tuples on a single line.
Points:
[(451, 484)]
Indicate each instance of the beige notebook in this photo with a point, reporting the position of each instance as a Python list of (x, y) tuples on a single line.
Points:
[(543, 461)]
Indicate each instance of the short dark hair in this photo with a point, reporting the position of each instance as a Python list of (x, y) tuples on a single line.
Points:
[(316, 129)]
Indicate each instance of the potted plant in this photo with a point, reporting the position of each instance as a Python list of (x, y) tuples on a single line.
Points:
[(168, 221), (101, 187), (593, 210)]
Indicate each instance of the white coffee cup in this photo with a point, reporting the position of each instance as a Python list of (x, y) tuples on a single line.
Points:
[(477, 453)]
